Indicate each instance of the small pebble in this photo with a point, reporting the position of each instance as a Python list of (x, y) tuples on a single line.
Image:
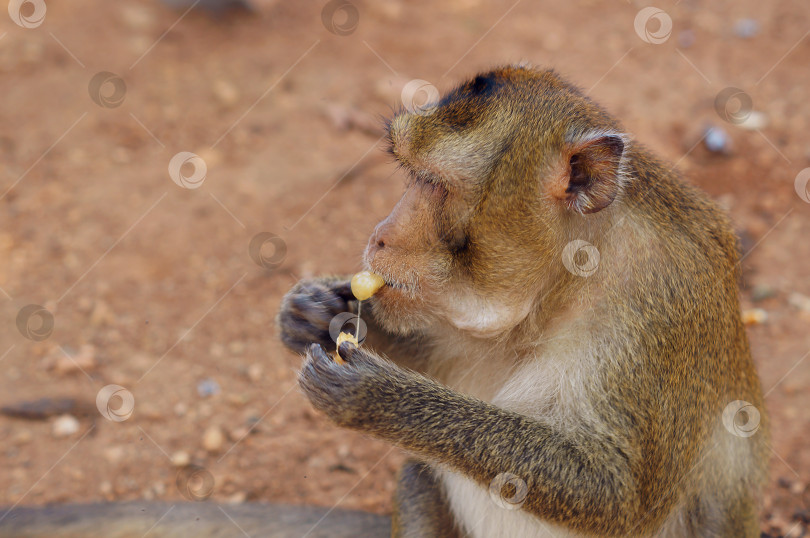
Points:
[(237, 498), (754, 316), (65, 425), (213, 438), (180, 409), (114, 454), (255, 372), (754, 121), (208, 387), (237, 434), (797, 300), (159, 488), (762, 292), (717, 140), (180, 458), (225, 92), (746, 28)]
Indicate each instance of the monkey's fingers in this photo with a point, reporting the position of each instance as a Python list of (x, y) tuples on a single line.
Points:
[(347, 349), (344, 290), (349, 339)]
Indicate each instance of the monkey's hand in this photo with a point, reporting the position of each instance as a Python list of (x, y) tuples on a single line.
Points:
[(344, 392), (307, 310)]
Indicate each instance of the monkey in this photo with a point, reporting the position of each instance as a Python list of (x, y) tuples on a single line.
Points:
[(558, 346)]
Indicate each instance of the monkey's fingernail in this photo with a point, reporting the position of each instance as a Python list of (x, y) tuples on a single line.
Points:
[(317, 350), (348, 338), (346, 349)]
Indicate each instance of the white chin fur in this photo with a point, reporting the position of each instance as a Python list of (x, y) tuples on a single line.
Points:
[(483, 317)]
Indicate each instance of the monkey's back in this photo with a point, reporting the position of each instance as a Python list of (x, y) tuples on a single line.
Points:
[(711, 429)]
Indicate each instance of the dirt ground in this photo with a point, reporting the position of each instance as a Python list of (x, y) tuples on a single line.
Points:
[(152, 287)]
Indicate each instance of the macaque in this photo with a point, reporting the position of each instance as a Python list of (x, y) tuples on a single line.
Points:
[(558, 342)]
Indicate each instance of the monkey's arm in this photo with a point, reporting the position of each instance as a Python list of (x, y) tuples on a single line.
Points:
[(311, 305), (583, 480)]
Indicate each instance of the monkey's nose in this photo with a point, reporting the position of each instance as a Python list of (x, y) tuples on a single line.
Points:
[(375, 243)]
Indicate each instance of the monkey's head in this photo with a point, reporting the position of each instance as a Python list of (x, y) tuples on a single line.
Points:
[(504, 171)]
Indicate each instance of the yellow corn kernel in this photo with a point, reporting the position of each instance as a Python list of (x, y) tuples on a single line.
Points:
[(365, 284)]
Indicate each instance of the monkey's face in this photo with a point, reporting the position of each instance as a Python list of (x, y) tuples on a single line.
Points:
[(493, 177)]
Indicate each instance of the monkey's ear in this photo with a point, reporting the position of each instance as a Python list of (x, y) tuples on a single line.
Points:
[(591, 175)]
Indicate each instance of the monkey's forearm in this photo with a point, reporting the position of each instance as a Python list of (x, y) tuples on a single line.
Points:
[(582, 480)]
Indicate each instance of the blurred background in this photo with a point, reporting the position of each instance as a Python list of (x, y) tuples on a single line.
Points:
[(169, 170)]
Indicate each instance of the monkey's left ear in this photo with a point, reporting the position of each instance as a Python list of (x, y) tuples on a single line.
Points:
[(591, 176)]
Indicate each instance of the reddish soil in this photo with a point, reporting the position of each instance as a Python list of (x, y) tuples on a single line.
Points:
[(156, 283)]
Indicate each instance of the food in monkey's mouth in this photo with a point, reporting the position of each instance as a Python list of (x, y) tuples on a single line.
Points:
[(344, 337), (365, 284)]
